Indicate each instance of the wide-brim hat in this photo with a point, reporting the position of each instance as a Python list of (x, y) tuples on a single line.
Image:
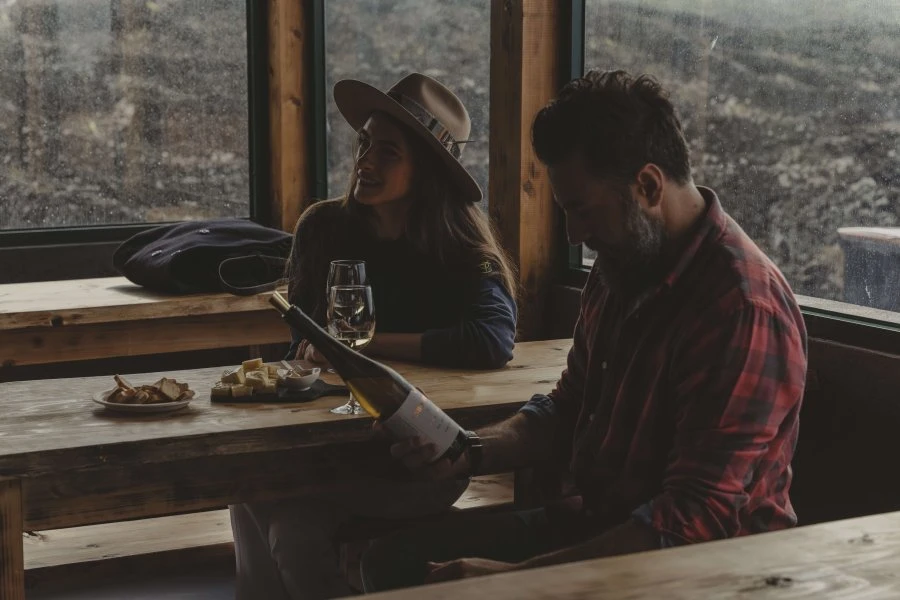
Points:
[(424, 105)]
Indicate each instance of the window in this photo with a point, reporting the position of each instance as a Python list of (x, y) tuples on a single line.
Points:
[(122, 112), (381, 41), (791, 114)]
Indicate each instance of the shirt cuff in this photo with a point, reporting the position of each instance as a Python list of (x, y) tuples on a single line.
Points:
[(644, 514), (539, 407)]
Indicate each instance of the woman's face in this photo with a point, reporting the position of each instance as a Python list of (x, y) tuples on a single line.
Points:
[(384, 165)]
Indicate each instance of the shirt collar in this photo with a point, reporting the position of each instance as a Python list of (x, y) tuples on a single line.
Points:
[(711, 225)]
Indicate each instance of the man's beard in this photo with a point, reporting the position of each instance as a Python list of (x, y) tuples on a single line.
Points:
[(629, 267)]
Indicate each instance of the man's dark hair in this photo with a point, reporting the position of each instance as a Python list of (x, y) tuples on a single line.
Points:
[(619, 123)]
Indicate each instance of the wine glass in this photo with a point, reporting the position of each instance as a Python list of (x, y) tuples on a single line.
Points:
[(344, 272), (351, 320)]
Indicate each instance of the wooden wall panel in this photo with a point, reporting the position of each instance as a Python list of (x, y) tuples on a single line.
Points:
[(525, 38)]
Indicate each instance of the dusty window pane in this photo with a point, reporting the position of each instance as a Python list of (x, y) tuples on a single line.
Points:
[(791, 111), (381, 41), (122, 111)]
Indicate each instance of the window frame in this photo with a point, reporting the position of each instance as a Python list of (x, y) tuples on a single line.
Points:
[(73, 239), (826, 322), (575, 273)]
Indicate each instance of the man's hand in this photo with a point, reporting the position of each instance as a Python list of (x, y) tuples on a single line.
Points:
[(417, 456), (464, 568)]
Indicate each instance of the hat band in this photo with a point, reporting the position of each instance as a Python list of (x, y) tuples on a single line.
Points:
[(429, 122)]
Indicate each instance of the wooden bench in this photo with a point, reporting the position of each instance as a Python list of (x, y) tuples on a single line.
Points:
[(181, 543), (82, 319), (856, 558)]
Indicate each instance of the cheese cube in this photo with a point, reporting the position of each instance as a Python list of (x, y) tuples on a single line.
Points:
[(238, 390), (221, 390), (273, 371), (252, 364), (257, 379), (235, 375), (269, 388)]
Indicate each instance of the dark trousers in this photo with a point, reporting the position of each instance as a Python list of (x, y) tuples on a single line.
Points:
[(398, 560)]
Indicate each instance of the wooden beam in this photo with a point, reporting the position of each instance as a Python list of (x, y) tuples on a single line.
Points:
[(290, 111), (524, 61)]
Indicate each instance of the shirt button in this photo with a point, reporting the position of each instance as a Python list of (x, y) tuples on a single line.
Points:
[(603, 365), (590, 418)]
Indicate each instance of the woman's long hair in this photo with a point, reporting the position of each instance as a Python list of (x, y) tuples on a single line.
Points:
[(441, 223)]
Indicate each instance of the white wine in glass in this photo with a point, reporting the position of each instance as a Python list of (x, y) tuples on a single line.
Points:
[(351, 320), (344, 272)]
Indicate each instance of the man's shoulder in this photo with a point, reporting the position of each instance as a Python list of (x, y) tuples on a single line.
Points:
[(741, 276)]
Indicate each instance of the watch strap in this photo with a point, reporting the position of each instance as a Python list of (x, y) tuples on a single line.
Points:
[(474, 452)]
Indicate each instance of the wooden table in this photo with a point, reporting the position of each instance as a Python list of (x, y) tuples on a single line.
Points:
[(81, 319), (65, 461), (856, 558)]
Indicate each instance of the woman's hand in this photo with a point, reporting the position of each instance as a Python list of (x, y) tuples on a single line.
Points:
[(307, 351)]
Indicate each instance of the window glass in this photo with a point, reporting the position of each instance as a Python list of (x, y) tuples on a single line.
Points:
[(792, 115), (381, 41), (122, 111)]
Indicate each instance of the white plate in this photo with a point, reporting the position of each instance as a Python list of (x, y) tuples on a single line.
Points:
[(160, 407)]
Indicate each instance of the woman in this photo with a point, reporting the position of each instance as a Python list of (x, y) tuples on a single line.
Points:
[(443, 293)]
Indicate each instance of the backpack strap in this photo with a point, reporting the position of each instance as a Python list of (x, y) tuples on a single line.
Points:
[(251, 274)]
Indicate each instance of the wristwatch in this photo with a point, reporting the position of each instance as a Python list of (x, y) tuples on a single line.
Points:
[(473, 452)]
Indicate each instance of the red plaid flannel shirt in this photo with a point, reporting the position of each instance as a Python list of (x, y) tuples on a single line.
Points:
[(680, 408)]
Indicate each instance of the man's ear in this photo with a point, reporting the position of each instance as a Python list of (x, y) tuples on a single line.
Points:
[(650, 183)]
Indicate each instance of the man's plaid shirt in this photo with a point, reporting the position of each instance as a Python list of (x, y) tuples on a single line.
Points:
[(680, 408)]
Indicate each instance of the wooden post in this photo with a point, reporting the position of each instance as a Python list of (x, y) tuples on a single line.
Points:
[(525, 75), (12, 562), (290, 109)]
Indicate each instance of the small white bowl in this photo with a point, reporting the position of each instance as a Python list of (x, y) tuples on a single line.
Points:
[(298, 379)]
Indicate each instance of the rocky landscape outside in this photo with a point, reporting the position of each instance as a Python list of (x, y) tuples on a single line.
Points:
[(121, 111), (792, 111)]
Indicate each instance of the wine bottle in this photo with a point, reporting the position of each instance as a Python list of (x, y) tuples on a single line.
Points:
[(384, 393)]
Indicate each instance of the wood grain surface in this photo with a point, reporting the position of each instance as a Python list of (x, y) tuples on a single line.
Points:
[(107, 300), (12, 574), (52, 425), (48, 345), (854, 559)]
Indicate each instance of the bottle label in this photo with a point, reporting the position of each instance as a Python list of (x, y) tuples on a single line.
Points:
[(420, 417)]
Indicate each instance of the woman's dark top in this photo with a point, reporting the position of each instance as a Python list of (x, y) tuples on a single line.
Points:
[(466, 315)]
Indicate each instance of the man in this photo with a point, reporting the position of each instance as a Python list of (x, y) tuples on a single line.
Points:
[(677, 415)]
